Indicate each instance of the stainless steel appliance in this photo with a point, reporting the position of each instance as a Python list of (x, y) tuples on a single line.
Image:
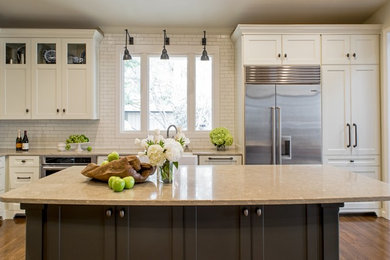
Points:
[(53, 164), (283, 115)]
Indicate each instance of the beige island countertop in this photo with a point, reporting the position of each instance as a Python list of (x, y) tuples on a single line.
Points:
[(210, 185)]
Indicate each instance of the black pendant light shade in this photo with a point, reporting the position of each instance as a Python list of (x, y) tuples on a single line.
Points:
[(204, 53), (164, 53), (126, 54)]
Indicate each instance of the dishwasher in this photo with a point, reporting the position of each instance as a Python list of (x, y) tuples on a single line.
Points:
[(53, 164)]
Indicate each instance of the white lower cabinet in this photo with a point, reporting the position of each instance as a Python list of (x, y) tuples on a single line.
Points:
[(2, 184), (220, 159), (365, 165), (22, 170)]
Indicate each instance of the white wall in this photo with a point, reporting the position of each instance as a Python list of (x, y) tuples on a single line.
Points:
[(103, 132)]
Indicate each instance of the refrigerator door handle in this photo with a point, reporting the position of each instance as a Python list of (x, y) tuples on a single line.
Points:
[(273, 135), (279, 135)]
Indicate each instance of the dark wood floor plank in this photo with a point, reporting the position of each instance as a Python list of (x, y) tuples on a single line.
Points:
[(361, 237)]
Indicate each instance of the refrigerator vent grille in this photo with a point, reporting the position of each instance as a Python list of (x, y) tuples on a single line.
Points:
[(283, 74)]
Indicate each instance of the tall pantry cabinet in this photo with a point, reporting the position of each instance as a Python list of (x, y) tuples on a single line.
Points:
[(351, 107), (49, 73), (349, 59)]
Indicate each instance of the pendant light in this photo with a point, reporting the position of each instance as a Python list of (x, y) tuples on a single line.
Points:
[(126, 54), (164, 53), (204, 53)]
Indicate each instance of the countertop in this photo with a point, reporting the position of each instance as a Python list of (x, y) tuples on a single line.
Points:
[(104, 152), (210, 185)]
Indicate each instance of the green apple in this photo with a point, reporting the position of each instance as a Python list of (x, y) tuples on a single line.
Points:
[(89, 148), (111, 180), (103, 163), (129, 182), (113, 156), (118, 185)]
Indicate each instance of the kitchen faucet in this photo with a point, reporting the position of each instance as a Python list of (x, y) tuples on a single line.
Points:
[(169, 127)]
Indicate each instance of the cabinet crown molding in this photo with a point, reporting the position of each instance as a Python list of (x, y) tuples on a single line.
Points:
[(50, 33), (245, 29)]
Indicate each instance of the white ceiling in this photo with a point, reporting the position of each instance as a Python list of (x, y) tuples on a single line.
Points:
[(222, 15)]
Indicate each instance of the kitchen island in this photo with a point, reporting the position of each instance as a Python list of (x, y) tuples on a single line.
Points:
[(208, 212)]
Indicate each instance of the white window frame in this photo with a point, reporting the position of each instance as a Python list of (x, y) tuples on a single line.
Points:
[(144, 51)]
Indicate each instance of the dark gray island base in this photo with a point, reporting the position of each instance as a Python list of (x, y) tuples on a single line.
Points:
[(308, 231)]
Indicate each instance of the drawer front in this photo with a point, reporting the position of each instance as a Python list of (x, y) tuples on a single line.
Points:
[(351, 161), (21, 176), (220, 160), (24, 161), (363, 206), (2, 162)]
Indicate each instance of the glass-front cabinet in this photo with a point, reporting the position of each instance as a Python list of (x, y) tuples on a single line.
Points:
[(15, 78), (51, 76)]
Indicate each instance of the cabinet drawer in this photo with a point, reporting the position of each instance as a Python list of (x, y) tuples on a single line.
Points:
[(220, 160), (362, 206), (352, 160), (21, 176), (24, 161)]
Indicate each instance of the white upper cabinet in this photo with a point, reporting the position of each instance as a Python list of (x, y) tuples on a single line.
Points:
[(46, 79), (53, 76), (260, 49), (301, 49), (365, 49), (350, 49), (15, 78), (365, 105)]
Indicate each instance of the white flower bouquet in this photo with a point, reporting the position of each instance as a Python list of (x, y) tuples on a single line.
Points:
[(163, 153)]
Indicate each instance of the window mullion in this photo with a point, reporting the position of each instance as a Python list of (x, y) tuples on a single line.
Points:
[(144, 93), (191, 95)]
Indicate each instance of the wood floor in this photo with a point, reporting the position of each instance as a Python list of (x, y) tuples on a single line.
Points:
[(361, 237)]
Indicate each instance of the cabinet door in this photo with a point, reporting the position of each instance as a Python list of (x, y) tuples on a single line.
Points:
[(15, 79), (336, 112), (301, 49), (46, 79), (336, 49), (365, 49), (368, 206), (262, 50), (77, 92), (365, 102)]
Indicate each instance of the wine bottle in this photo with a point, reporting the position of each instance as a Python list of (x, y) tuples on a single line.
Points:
[(18, 142), (25, 142)]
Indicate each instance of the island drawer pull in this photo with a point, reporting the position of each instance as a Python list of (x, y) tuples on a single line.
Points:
[(258, 212), (23, 178), (23, 161), (246, 212), (220, 158), (109, 213), (122, 213)]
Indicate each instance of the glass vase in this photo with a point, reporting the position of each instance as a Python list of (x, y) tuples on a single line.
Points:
[(166, 172), (221, 148)]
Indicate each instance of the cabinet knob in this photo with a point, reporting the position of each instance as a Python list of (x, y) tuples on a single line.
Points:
[(245, 212), (258, 212), (354, 55), (109, 213), (351, 161), (347, 55), (285, 55), (58, 110), (122, 213), (27, 110), (63, 110), (23, 161), (279, 55)]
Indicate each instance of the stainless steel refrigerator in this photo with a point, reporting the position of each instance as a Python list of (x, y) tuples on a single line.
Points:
[(283, 115)]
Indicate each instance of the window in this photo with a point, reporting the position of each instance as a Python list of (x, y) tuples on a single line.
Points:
[(156, 93)]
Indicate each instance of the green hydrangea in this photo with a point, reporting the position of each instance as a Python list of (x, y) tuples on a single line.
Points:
[(221, 136)]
